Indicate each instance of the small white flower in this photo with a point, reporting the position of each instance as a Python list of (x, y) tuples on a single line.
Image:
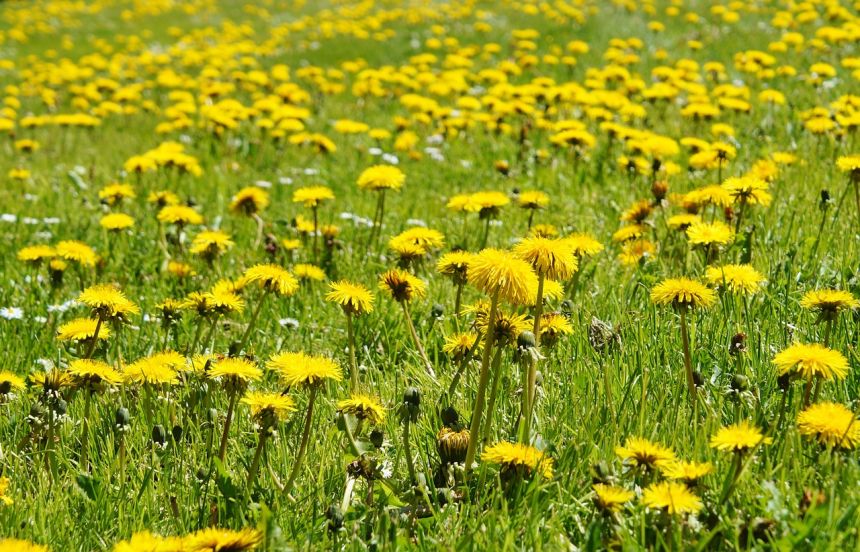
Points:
[(8, 217), (40, 319), (285, 180), (30, 220), (11, 313), (263, 184), (51, 220), (310, 171), (185, 139), (466, 163), (374, 151), (390, 158), (347, 216), (291, 323), (416, 222)]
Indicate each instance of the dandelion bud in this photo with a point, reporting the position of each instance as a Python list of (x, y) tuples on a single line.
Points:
[(176, 432), (335, 518), (567, 308), (503, 167), (452, 445), (740, 383), (437, 311), (784, 381), (377, 437), (659, 190), (412, 397), (698, 379), (526, 340), (340, 421), (450, 417), (159, 435), (122, 418), (738, 344), (825, 201), (212, 415)]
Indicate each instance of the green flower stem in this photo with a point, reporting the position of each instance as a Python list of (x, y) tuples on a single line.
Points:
[(427, 365), (303, 445), (85, 432), (222, 451), (407, 450), (253, 321), (494, 391), (255, 463), (475, 425), (353, 365), (688, 362), (95, 339)]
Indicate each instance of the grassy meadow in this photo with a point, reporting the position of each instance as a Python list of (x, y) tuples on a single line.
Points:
[(368, 275)]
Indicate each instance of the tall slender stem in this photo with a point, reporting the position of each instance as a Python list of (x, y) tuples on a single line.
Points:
[(494, 391), (95, 339), (255, 463), (475, 425), (253, 321), (688, 363), (85, 432), (407, 450), (222, 452), (353, 365), (316, 234), (538, 308), (416, 340), (303, 445)]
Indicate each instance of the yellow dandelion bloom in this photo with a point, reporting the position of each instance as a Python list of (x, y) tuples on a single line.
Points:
[(674, 498), (501, 274), (80, 329), (813, 360), (381, 177), (518, 458), (682, 292), (738, 278), (353, 298), (363, 407), (551, 258), (831, 424), (739, 437)]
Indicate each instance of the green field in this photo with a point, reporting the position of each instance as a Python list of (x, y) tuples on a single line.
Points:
[(270, 274)]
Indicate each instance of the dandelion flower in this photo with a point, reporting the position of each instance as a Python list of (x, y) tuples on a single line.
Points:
[(353, 298), (214, 539), (299, 369), (271, 278), (709, 233), (810, 361), (610, 498), (500, 273), (401, 285), (674, 498), (831, 424), (682, 293), (381, 177), (738, 278), (81, 329), (739, 437), (828, 302), (312, 196), (363, 407), (643, 453), (89, 373), (518, 458)]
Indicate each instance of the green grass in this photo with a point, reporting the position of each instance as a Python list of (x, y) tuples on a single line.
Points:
[(589, 401)]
